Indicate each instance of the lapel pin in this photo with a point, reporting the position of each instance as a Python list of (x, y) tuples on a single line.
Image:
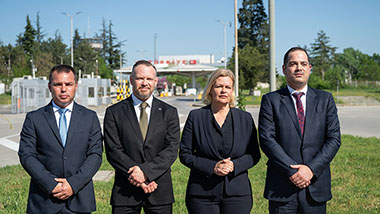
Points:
[(159, 109)]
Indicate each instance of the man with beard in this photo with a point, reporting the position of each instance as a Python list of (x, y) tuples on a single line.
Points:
[(141, 136), (300, 134)]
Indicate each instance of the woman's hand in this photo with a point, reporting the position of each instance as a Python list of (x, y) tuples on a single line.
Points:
[(224, 167)]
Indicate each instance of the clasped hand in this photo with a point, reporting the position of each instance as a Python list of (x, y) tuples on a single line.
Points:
[(63, 189), (138, 178), (302, 178), (223, 167)]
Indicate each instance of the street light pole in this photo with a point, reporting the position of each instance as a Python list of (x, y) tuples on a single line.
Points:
[(141, 53), (225, 41), (155, 46), (236, 53), (71, 35), (272, 47), (85, 64)]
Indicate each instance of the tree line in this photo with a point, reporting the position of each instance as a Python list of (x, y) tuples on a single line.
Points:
[(328, 67), (33, 49)]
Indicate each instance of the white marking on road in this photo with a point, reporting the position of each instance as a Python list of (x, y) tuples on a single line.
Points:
[(14, 135), (9, 144)]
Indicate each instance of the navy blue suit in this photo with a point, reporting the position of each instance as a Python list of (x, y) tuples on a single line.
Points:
[(200, 154), (44, 158), (282, 142)]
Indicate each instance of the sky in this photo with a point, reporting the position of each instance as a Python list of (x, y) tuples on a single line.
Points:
[(191, 27)]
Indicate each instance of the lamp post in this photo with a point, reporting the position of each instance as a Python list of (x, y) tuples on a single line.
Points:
[(225, 41), (61, 59), (71, 35), (155, 46), (85, 63), (141, 53)]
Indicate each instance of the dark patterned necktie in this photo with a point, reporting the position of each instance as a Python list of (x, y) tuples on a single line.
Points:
[(143, 119), (300, 112)]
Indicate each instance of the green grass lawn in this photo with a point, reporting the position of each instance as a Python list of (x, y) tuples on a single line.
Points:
[(371, 93), (5, 99), (355, 182)]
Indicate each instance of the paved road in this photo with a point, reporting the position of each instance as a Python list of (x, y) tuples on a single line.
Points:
[(361, 121)]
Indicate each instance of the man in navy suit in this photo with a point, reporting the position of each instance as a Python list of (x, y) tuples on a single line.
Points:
[(300, 134), (141, 137), (61, 149)]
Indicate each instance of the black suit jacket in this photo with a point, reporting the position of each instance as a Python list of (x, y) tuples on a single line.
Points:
[(281, 141), (125, 148), (200, 154), (44, 158)]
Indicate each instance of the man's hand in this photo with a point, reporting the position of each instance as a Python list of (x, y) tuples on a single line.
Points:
[(302, 177), (149, 187), (223, 167), (63, 189), (137, 176)]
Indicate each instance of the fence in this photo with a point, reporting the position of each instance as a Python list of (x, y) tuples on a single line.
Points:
[(30, 94)]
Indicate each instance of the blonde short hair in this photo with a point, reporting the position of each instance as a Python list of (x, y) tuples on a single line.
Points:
[(211, 81)]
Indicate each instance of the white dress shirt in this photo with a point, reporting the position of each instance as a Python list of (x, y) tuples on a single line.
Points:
[(67, 114), (137, 103), (303, 98)]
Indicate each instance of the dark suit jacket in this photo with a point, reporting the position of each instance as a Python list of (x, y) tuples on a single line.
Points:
[(125, 148), (281, 141), (200, 154), (44, 158)]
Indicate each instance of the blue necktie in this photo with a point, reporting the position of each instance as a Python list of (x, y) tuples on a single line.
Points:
[(62, 125)]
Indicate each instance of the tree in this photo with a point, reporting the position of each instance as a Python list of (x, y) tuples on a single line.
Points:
[(253, 24), (250, 70), (113, 51), (39, 33), (321, 54), (28, 39), (84, 55), (57, 48), (253, 37), (178, 79), (103, 36)]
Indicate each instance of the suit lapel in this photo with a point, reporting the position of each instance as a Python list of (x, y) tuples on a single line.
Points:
[(76, 116), (236, 124), (311, 103), (50, 118), (287, 101), (131, 117)]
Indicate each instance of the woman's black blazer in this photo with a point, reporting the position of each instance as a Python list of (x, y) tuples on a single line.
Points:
[(200, 154)]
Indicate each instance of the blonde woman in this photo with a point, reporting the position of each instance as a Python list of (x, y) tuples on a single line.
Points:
[(219, 145)]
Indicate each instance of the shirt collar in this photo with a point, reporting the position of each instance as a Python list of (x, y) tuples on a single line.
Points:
[(137, 101), (291, 90), (69, 107)]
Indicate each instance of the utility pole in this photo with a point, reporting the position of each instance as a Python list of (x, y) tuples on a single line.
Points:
[(236, 55), (155, 47), (225, 41), (71, 35), (272, 47)]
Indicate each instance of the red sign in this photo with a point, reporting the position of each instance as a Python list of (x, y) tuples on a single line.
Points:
[(176, 62)]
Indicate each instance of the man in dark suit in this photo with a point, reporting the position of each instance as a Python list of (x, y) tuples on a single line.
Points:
[(300, 134), (141, 136), (61, 149)]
